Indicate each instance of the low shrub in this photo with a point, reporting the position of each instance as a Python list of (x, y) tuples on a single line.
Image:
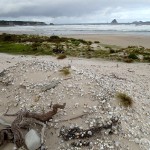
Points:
[(96, 42), (132, 56)]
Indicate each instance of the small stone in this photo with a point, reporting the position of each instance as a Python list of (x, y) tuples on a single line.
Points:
[(32, 140)]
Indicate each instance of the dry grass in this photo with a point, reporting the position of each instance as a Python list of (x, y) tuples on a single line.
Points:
[(65, 71), (124, 99), (128, 60), (61, 56)]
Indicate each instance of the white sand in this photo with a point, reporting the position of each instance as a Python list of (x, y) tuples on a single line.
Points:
[(92, 87)]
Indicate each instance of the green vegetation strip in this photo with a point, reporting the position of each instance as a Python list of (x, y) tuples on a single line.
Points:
[(61, 47)]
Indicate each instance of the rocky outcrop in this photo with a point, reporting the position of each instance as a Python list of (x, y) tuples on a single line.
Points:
[(114, 21)]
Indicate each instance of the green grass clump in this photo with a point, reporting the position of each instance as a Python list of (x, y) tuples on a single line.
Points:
[(15, 48), (62, 56), (124, 99), (65, 71), (132, 56)]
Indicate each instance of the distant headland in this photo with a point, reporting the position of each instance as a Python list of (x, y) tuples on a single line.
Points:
[(21, 23)]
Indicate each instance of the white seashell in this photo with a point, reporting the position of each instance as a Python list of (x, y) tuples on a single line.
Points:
[(76, 105), (137, 140), (90, 133)]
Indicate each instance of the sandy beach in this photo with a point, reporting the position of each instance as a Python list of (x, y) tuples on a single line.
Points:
[(89, 93), (122, 40)]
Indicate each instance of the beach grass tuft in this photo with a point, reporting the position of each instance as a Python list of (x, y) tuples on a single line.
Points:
[(65, 71), (124, 99)]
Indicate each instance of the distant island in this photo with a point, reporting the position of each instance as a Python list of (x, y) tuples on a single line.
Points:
[(21, 23), (114, 22)]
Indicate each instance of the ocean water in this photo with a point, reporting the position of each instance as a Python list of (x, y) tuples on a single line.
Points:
[(79, 29)]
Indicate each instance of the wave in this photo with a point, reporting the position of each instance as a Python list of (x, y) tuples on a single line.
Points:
[(79, 29)]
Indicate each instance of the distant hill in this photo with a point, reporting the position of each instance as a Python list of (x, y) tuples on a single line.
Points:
[(20, 23)]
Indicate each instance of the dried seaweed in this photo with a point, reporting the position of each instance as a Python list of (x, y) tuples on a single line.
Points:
[(77, 133), (6, 135)]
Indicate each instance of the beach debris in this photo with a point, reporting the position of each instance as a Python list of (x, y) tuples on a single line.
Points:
[(58, 51), (16, 129), (23, 120), (45, 116), (4, 123), (80, 143), (78, 133), (50, 85), (6, 135), (2, 73), (32, 140), (6, 78)]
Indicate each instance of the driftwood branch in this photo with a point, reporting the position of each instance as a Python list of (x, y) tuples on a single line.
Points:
[(45, 116)]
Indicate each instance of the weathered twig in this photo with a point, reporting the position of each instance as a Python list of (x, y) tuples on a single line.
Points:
[(7, 110), (76, 117)]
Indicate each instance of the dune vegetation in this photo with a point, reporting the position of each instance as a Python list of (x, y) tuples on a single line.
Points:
[(61, 47)]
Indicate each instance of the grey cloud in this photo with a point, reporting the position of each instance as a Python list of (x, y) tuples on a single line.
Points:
[(69, 9)]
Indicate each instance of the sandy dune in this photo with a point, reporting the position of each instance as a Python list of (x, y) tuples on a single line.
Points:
[(90, 88)]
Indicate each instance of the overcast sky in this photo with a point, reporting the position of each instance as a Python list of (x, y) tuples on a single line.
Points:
[(75, 11)]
